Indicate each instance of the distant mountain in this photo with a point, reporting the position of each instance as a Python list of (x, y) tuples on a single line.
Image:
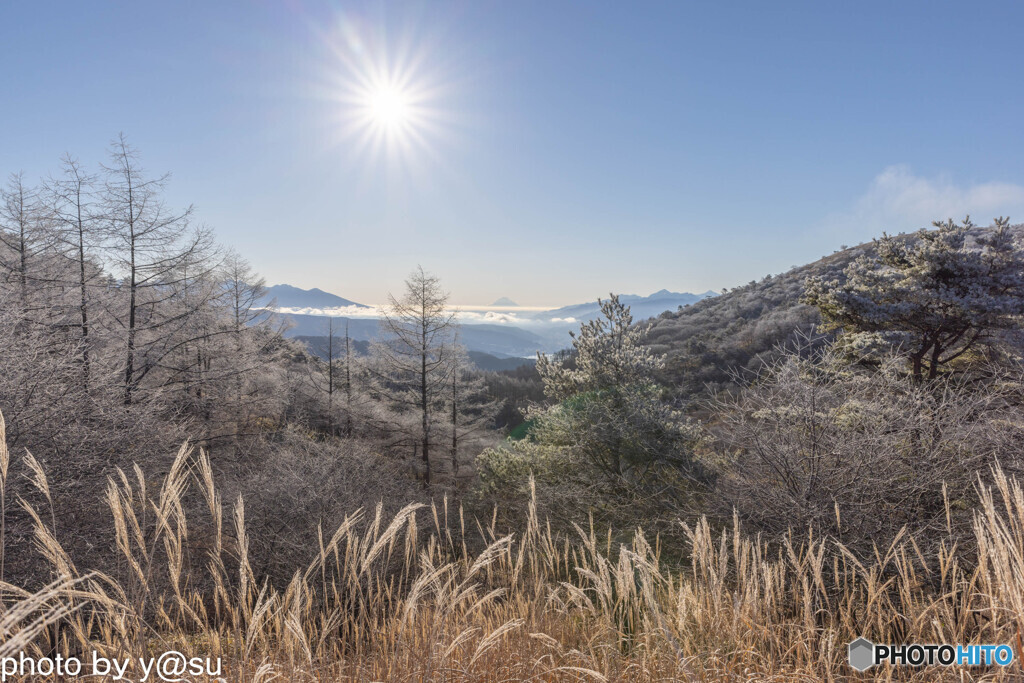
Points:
[(546, 331), (505, 341), (641, 307), (294, 297), (663, 294), (321, 347), (306, 325)]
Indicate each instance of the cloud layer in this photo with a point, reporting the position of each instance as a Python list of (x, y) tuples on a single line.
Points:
[(480, 315)]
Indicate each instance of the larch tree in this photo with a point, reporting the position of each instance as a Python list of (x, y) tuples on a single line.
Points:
[(333, 350), (159, 258), (19, 229), (415, 357), (78, 224), (470, 410), (935, 296), (228, 339), (252, 328), (347, 378), (332, 373)]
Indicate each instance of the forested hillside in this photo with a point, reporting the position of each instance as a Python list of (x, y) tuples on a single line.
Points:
[(129, 331), (717, 342), (708, 342)]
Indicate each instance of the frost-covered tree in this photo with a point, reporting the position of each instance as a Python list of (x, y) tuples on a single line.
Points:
[(224, 344), (469, 410), (415, 359), (78, 223), (813, 445), (333, 376), (610, 435), (607, 354), (936, 296), (20, 234), (163, 263)]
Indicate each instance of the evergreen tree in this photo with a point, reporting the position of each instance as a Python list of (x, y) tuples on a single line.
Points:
[(936, 296), (608, 354), (610, 432)]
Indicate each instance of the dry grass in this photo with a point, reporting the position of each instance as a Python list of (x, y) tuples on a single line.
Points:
[(387, 601)]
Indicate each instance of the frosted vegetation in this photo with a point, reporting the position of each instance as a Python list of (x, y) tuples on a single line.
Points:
[(734, 489)]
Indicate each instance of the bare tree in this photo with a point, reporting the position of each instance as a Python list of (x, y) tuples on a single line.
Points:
[(19, 221), (471, 410), (220, 350), (816, 444), (331, 357), (253, 328), (415, 358), (72, 197), (157, 256), (348, 381)]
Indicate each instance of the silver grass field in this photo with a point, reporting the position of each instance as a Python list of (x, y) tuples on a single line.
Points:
[(387, 600)]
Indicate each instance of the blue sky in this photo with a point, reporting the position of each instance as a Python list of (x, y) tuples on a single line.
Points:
[(560, 150)]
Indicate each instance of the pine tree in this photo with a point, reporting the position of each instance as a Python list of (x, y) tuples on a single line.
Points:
[(609, 418), (935, 296), (608, 354)]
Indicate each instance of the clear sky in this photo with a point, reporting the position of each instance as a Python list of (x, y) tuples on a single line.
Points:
[(546, 151)]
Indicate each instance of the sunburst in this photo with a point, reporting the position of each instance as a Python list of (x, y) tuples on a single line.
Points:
[(387, 100)]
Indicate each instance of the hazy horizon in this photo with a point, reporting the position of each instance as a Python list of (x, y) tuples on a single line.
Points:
[(474, 306)]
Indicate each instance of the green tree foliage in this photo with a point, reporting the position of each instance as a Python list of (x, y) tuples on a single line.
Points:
[(935, 296), (608, 355), (609, 429)]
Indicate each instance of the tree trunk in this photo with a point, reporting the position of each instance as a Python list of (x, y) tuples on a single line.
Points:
[(348, 384), (933, 367), (330, 376), (426, 417), (84, 306), (455, 423), (129, 369)]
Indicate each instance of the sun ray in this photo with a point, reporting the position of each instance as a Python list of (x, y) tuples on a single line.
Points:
[(385, 94)]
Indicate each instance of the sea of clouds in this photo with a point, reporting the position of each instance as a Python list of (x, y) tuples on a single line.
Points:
[(469, 315)]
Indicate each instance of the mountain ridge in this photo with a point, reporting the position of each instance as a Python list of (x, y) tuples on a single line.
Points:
[(289, 296), (641, 307)]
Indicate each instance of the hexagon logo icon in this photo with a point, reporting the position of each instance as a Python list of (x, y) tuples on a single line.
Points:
[(861, 654)]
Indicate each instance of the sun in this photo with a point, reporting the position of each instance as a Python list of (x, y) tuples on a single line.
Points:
[(389, 107), (389, 113), (390, 93)]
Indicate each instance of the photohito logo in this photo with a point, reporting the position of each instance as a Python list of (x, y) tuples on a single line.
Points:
[(863, 654)]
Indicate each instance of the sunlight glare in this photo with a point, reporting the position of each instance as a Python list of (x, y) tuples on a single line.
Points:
[(389, 107), (390, 93)]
